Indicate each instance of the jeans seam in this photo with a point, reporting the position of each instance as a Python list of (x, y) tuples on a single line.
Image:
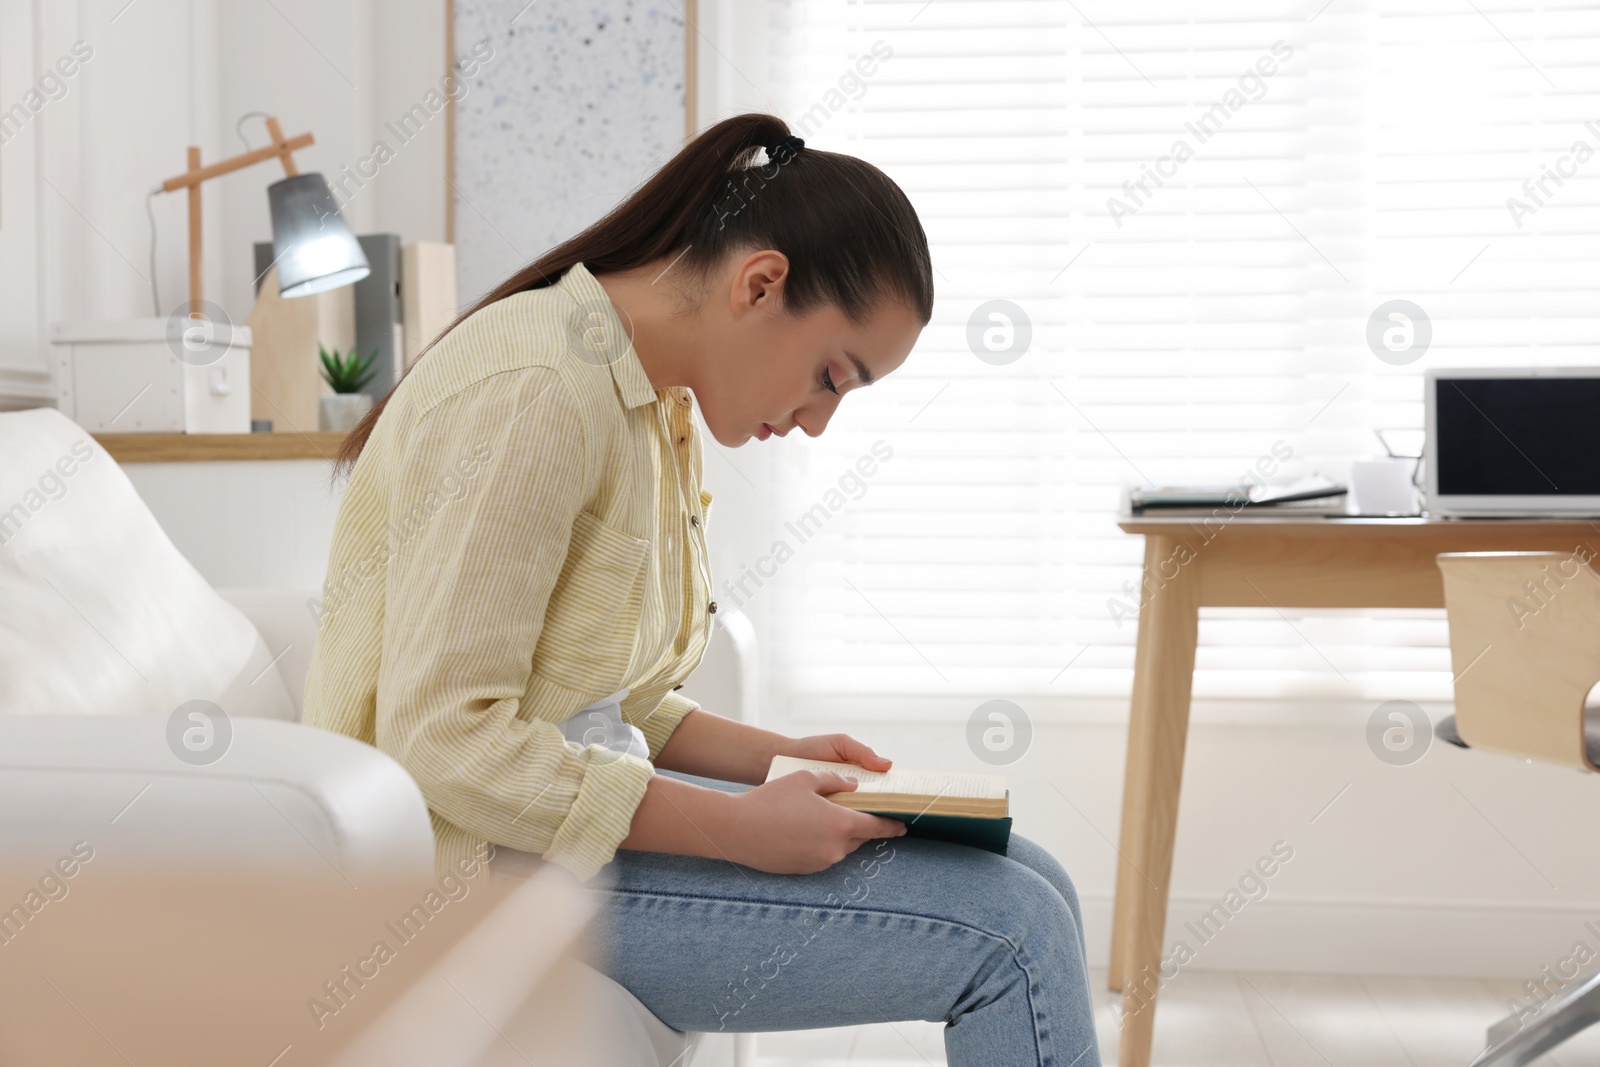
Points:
[(1016, 951)]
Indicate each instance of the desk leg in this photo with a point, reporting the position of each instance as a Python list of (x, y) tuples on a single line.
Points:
[(1157, 729)]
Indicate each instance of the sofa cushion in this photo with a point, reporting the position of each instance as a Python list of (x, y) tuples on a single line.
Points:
[(102, 614), (285, 619)]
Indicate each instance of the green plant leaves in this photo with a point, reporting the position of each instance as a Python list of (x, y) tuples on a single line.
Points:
[(347, 373)]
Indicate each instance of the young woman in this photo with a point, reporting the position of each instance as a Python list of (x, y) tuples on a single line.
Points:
[(518, 587)]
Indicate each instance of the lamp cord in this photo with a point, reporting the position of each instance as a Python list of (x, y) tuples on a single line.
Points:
[(150, 210), (238, 127)]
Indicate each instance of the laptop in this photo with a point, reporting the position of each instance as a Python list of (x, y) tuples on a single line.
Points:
[(1521, 441)]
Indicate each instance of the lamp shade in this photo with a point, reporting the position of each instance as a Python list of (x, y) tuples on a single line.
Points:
[(312, 247)]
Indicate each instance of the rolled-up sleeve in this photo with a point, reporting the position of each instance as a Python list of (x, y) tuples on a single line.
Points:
[(481, 515), (657, 723)]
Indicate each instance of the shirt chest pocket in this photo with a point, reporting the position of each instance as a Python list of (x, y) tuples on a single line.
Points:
[(591, 623)]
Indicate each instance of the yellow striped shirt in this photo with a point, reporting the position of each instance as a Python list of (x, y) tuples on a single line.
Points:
[(523, 534)]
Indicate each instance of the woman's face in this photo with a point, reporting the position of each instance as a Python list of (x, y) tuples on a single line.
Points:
[(769, 372)]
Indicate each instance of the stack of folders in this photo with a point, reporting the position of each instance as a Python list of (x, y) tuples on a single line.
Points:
[(1313, 494)]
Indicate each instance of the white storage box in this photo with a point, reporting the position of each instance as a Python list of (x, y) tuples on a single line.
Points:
[(153, 376)]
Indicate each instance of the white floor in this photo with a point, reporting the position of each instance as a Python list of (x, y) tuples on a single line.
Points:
[(1208, 1019)]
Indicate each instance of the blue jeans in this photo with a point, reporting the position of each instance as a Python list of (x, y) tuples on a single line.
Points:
[(903, 928)]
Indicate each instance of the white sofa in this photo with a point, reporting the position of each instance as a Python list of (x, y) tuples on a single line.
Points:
[(725, 680), (331, 803)]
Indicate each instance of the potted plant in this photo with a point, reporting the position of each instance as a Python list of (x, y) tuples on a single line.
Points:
[(346, 375)]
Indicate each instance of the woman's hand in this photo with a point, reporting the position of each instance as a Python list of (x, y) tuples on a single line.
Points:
[(788, 826), (836, 748), (716, 747)]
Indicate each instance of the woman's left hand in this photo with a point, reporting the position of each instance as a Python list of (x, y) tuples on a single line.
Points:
[(836, 748)]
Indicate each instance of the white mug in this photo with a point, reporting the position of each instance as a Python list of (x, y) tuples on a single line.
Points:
[(1383, 485)]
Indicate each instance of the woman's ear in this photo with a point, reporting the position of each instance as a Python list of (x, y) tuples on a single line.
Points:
[(758, 282)]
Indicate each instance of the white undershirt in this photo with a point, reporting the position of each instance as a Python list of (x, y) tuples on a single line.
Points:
[(601, 724)]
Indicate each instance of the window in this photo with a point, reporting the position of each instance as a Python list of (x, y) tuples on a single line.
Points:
[(1193, 212)]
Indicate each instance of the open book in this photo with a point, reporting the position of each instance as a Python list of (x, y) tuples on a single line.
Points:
[(968, 809)]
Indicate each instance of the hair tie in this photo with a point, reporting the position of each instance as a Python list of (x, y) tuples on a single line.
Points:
[(785, 148), (780, 152)]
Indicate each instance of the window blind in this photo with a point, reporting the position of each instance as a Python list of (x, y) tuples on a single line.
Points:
[(1195, 210)]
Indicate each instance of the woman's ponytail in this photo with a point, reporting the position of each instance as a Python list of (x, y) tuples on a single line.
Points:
[(851, 236)]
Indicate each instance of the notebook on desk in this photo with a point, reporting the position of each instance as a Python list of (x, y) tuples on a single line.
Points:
[(1313, 494)]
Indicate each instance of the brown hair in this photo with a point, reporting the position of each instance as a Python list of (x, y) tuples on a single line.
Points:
[(851, 235)]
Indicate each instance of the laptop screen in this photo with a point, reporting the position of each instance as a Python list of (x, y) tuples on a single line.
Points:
[(1518, 436)]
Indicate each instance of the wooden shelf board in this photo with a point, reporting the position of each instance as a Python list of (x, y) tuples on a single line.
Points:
[(212, 447)]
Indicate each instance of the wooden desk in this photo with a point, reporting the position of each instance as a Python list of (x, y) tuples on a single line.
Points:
[(1268, 562)]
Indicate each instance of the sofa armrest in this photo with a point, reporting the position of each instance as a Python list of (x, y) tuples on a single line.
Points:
[(726, 680), (279, 796)]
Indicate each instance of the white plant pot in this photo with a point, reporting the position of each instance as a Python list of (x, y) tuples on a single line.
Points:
[(342, 411)]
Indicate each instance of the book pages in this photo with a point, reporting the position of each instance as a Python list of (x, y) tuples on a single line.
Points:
[(894, 780)]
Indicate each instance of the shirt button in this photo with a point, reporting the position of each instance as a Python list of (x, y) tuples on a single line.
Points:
[(713, 607), (694, 520)]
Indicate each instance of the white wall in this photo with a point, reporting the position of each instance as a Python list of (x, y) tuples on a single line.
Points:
[(164, 74), (73, 235), (248, 524)]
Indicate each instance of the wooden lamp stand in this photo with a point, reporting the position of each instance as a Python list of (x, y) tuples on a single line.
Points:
[(280, 148)]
